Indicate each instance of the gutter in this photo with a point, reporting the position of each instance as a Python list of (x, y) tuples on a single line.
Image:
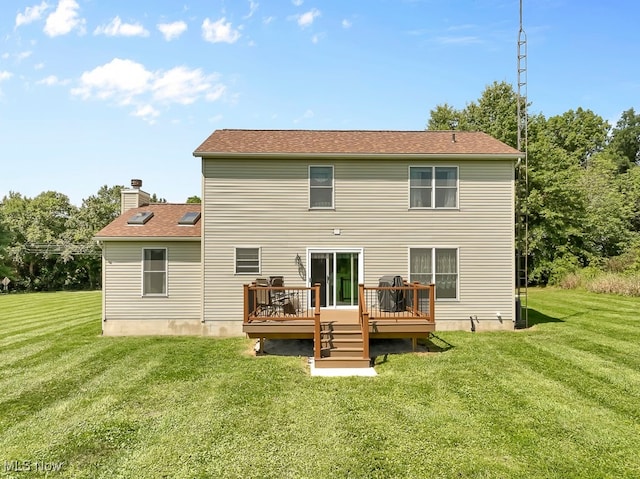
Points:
[(146, 238), (360, 156)]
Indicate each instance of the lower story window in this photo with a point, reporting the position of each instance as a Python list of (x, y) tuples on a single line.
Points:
[(435, 265), (247, 260), (154, 272)]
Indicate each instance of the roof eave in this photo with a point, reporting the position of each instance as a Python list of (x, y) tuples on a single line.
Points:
[(147, 238), (363, 156)]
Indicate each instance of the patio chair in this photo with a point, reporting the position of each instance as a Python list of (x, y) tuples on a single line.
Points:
[(263, 298), (276, 281)]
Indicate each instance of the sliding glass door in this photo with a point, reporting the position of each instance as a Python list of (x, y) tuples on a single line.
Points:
[(338, 272)]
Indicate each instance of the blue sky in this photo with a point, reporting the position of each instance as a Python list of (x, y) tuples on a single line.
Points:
[(96, 92)]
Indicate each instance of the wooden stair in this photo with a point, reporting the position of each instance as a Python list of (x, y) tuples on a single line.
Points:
[(342, 346)]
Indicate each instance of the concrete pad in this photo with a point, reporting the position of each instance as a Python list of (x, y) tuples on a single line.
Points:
[(337, 372)]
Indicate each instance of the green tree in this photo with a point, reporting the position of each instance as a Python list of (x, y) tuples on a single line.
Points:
[(581, 133), (609, 215), (445, 117), (556, 209), (194, 199), (494, 113), (37, 231), (96, 212), (5, 269), (625, 139)]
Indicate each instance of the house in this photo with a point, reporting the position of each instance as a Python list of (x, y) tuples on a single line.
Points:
[(335, 209), (151, 267)]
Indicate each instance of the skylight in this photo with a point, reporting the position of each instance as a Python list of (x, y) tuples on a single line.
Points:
[(189, 218), (140, 218)]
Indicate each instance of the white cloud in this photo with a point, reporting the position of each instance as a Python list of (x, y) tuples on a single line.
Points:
[(172, 30), (23, 55), (268, 20), (147, 112), (305, 116), (116, 28), (451, 40), (121, 79), (216, 92), (31, 14), (253, 6), (306, 19), (219, 31), (64, 19), (52, 80), (181, 85), (346, 23), (129, 83), (38, 66), (317, 37), (4, 75), (297, 3)]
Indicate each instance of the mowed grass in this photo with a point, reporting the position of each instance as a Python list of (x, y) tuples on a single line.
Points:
[(561, 399)]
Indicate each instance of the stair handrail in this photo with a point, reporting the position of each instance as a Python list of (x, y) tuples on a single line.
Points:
[(317, 344), (363, 317)]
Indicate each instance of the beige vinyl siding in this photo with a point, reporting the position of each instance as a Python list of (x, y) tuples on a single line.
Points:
[(265, 203), (122, 289), (133, 199)]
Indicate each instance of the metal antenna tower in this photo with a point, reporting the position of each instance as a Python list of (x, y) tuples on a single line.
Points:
[(522, 185)]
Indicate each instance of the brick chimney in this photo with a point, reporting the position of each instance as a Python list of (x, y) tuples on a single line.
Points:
[(133, 197)]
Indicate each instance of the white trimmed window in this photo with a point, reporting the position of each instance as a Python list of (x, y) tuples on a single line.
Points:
[(435, 265), (247, 260), (433, 187), (154, 272), (320, 187)]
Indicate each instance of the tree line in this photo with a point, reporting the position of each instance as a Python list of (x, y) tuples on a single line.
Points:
[(46, 242), (582, 201)]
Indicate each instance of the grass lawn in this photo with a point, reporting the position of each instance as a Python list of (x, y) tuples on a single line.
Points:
[(559, 400)]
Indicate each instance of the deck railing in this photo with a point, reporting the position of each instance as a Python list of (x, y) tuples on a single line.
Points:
[(283, 303), (409, 301)]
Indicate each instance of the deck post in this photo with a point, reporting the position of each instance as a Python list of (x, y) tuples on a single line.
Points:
[(245, 318), (363, 317), (365, 335), (317, 345), (432, 302)]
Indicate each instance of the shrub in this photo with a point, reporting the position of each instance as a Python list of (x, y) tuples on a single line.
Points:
[(627, 285)]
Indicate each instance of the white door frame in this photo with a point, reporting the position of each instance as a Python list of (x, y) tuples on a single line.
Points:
[(334, 251)]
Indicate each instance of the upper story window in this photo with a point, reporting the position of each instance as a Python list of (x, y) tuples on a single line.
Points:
[(154, 272), (321, 187), (433, 187), (247, 260)]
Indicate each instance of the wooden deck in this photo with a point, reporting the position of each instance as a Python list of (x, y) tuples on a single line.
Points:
[(341, 336)]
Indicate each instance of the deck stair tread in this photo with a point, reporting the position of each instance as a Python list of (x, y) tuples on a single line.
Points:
[(342, 346)]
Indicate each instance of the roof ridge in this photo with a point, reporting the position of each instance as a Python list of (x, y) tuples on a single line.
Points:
[(293, 130)]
